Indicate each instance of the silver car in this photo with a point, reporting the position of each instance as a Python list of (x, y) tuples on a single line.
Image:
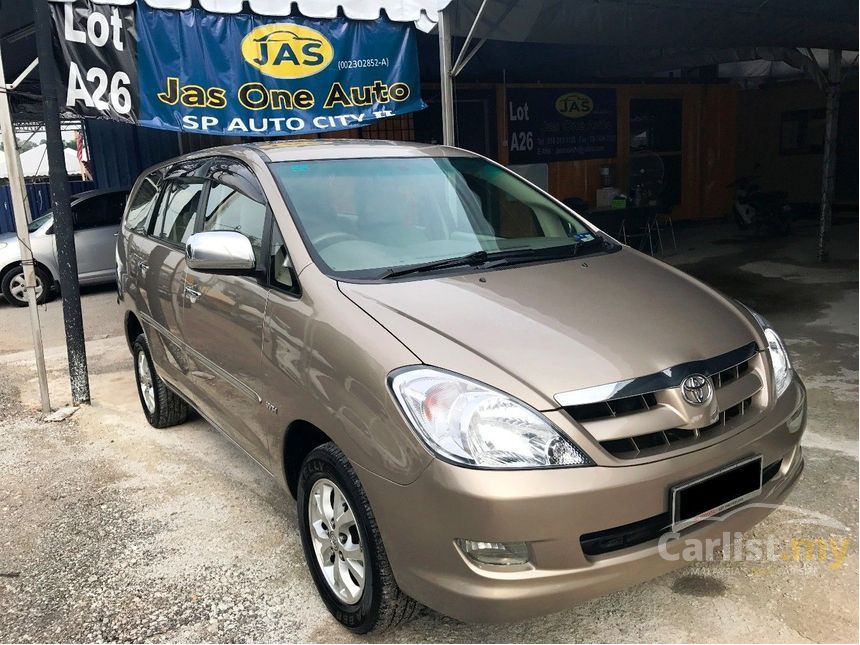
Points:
[(96, 215)]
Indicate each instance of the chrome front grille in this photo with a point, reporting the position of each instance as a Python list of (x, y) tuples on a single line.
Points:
[(613, 408), (674, 438), (731, 374), (647, 416)]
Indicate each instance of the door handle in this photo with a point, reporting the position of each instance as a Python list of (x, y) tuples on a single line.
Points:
[(192, 292)]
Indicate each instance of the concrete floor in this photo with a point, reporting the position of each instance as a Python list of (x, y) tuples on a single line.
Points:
[(111, 530)]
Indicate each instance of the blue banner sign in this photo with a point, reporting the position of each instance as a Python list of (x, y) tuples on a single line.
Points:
[(234, 74)]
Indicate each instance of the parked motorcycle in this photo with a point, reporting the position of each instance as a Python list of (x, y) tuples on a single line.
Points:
[(763, 212)]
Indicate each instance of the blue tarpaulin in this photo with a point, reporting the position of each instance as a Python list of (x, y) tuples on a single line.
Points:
[(120, 152)]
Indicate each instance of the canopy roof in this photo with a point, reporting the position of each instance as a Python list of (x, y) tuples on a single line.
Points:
[(672, 24), (34, 162), (424, 13), (542, 40), (581, 39)]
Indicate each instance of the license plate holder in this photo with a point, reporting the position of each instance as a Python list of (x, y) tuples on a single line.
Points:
[(698, 499)]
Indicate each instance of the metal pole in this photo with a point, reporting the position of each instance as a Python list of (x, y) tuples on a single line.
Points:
[(21, 211), (828, 173), (460, 63), (63, 228), (446, 80)]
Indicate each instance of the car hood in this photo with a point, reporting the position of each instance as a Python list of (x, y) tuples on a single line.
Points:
[(537, 330)]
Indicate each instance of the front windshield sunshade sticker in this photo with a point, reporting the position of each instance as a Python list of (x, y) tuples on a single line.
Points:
[(233, 74)]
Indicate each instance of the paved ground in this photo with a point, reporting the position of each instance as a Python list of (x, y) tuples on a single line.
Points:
[(110, 530)]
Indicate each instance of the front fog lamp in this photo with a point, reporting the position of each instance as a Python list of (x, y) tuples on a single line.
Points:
[(782, 371), (495, 553), (472, 424)]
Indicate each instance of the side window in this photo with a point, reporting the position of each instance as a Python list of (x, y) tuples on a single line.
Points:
[(142, 202), (115, 208), (280, 268), (236, 203), (510, 217), (177, 211), (92, 213)]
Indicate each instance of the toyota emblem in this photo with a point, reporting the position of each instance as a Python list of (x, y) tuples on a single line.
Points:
[(697, 389)]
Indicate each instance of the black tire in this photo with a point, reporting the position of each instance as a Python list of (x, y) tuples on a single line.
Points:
[(168, 408), (382, 605), (42, 276)]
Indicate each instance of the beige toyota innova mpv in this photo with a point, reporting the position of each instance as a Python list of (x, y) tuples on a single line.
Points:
[(481, 402)]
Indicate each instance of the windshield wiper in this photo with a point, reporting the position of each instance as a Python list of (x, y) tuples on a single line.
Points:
[(578, 245), (472, 259), (549, 253), (480, 258)]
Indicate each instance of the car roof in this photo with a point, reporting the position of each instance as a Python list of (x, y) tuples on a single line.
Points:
[(315, 149), (318, 149), (306, 150), (86, 194)]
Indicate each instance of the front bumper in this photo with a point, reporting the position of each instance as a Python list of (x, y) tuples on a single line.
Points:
[(551, 510)]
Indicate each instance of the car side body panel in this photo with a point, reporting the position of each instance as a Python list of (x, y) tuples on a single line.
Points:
[(221, 325), (95, 250), (320, 368)]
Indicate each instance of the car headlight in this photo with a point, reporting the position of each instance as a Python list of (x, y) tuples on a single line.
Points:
[(782, 371), (472, 424)]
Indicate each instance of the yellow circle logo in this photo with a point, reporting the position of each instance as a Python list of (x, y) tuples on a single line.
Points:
[(574, 105), (287, 50)]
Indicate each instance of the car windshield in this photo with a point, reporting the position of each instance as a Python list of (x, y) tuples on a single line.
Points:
[(39, 222), (366, 218)]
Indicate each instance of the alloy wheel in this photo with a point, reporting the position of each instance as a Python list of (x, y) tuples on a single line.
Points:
[(336, 541), (18, 287), (144, 379)]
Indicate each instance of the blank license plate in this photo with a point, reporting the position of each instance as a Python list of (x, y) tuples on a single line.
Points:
[(706, 496)]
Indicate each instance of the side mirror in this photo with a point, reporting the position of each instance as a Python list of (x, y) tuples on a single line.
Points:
[(220, 252)]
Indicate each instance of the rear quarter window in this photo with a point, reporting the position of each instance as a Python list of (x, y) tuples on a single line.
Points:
[(141, 203)]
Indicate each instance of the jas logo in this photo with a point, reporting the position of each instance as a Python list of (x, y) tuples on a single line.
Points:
[(574, 105), (287, 50)]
